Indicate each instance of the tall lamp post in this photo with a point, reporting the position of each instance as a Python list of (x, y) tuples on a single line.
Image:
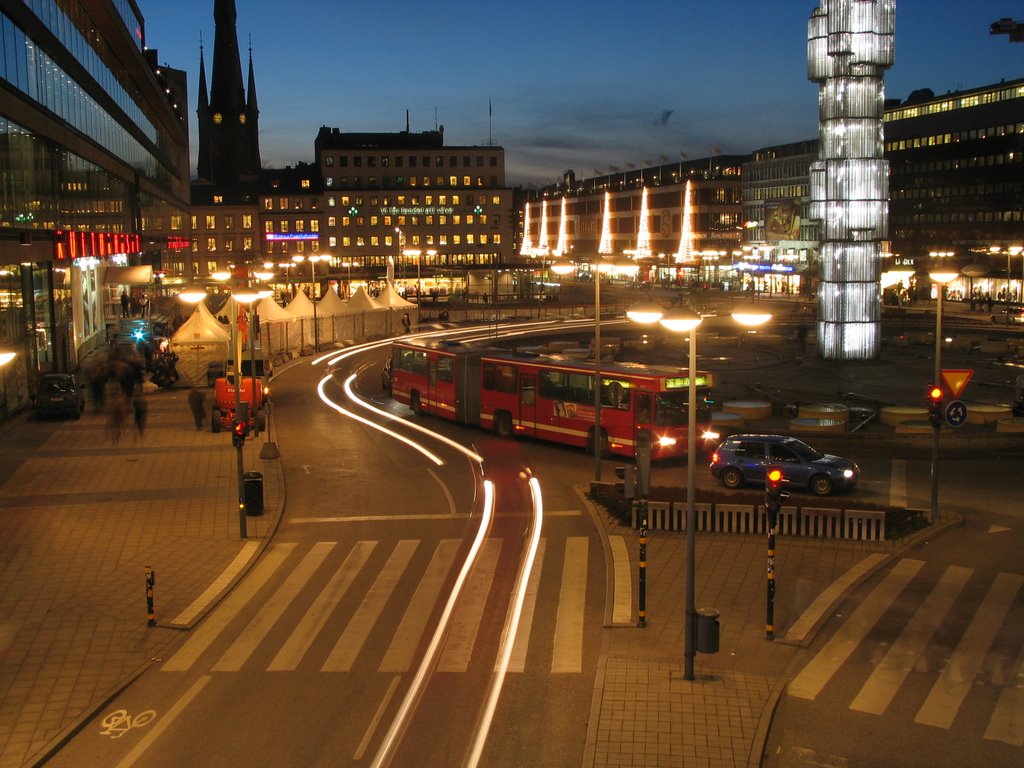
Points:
[(244, 296), (312, 273), (687, 321), (941, 278)]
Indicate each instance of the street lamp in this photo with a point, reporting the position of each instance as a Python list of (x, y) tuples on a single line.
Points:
[(686, 321), (244, 296), (312, 273), (942, 278)]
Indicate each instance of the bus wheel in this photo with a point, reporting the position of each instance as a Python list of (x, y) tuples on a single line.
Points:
[(604, 442), (414, 403), (503, 424)]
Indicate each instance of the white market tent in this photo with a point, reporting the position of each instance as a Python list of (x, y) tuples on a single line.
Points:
[(200, 341), (361, 301), (391, 299), (201, 327), (330, 304), (271, 312), (300, 306)]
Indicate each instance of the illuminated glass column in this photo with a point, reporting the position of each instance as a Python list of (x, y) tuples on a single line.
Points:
[(849, 47)]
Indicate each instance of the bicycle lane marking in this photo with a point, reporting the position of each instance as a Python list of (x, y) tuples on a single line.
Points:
[(163, 724)]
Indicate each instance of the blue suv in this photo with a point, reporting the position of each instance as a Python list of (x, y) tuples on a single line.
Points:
[(743, 459)]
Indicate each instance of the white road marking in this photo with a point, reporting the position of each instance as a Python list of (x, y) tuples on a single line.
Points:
[(214, 624), (163, 724), (819, 670), (957, 677), (245, 644), (291, 653), (889, 674), (219, 584), (343, 656), (517, 661)]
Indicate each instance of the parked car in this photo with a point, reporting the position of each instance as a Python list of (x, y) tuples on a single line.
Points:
[(59, 394), (742, 459)]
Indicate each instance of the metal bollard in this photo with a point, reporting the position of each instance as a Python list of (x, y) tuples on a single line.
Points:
[(150, 583), (642, 577)]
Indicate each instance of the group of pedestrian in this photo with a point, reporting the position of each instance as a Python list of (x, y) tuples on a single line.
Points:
[(115, 385)]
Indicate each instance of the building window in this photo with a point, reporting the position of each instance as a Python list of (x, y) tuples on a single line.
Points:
[(229, 222), (217, 199), (268, 227), (268, 204), (314, 225), (329, 160), (453, 181), (332, 221), (331, 202), (211, 244), (246, 221), (466, 181), (304, 183), (247, 243), (229, 245), (211, 221)]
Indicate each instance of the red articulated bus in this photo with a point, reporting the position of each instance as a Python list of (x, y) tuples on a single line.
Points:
[(548, 397)]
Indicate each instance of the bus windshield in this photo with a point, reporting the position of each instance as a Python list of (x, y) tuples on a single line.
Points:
[(670, 408)]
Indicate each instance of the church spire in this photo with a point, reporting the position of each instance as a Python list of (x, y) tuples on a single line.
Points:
[(228, 130)]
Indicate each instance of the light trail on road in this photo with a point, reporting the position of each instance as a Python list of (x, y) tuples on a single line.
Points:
[(406, 709)]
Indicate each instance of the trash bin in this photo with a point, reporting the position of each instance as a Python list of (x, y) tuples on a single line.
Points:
[(253, 484), (707, 630)]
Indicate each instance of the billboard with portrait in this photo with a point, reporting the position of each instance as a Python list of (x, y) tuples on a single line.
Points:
[(782, 220)]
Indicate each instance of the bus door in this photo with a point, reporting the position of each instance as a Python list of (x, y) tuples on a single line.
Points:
[(431, 399), (528, 403)]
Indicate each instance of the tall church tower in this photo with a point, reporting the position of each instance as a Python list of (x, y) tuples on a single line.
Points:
[(229, 150)]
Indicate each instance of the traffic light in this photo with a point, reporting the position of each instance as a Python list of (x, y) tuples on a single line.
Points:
[(773, 493), (239, 432), (935, 404)]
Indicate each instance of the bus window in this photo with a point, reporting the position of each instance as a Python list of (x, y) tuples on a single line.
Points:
[(581, 388), (445, 371), (499, 378), (615, 394), (553, 385)]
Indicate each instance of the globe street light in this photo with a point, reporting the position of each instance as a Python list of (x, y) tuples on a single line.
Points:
[(942, 278), (687, 321)]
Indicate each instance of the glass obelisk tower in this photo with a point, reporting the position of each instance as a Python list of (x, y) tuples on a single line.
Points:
[(849, 46)]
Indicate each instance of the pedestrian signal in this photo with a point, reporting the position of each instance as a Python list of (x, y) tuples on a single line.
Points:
[(239, 432)]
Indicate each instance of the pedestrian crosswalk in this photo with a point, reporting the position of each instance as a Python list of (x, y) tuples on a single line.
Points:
[(974, 663), (328, 601)]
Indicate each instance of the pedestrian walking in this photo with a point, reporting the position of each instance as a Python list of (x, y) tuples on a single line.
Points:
[(124, 303), (197, 404), (140, 408)]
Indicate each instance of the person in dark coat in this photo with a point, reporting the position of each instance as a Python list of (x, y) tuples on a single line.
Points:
[(197, 404)]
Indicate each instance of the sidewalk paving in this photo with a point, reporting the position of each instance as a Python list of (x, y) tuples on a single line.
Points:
[(80, 519)]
